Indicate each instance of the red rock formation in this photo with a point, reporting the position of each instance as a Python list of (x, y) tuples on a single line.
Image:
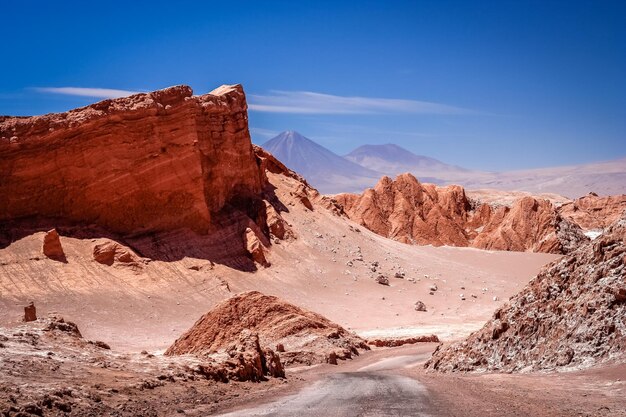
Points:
[(408, 211), (571, 314), (147, 162), (156, 170), (306, 336), (109, 252), (249, 362), (30, 312), (593, 212), (530, 224), (52, 246), (255, 247)]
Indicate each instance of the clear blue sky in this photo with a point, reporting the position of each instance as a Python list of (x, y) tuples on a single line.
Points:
[(483, 84)]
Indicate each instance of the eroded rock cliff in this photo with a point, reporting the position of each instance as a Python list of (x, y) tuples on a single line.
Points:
[(147, 162), (592, 212), (158, 170), (411, 212)]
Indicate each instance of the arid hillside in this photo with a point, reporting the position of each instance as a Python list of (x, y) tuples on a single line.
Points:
[(571, 315), (138, 278)]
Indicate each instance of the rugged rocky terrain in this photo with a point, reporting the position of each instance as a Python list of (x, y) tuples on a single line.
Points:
[(573, 314), (300, 336), (49, 369), (406, 210), (594, 213)]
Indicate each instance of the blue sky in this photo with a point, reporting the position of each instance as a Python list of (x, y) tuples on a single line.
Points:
[(486, 84)]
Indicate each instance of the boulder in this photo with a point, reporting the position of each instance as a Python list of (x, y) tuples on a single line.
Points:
[(276, 224), (382, 280), (420, 306), (251, 363), (109, 252), (30, 312), (52, 246), (254, 247)]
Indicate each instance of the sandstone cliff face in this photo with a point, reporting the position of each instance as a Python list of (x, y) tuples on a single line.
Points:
[(148, 162), (570, 315), (530, 224), (167, 173), (408, 211)]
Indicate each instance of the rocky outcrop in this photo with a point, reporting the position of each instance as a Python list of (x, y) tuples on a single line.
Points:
[(306, 337), (408, 211), (570, 315), (254, 247), (52, 246), (147, 162), (411, 212), (249, 362), (592, 212), (110, 252), (30, 312), (529, 225), (150, 170), (395, 342)]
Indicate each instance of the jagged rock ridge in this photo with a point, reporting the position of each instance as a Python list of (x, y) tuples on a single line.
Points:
[(411, 212)]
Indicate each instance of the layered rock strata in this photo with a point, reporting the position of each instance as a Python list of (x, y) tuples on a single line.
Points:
[(147, 169)]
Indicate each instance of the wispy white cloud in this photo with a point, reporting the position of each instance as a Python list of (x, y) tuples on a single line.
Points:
[(87, 92), (267, 133), (307, 102)]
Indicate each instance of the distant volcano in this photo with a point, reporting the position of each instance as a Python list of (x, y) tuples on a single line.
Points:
[(392, 160), (325, 170)]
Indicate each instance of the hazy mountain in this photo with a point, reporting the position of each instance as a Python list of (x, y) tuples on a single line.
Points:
[(361, 168), (325, 170), (603, 178), (393, 159)]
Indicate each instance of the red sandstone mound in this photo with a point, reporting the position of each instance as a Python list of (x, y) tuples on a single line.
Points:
[(411, 212), (306, 337), (159, 171), (571, 315)]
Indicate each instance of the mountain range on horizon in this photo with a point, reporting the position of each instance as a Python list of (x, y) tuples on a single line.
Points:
[(364, 166), (324, 169)]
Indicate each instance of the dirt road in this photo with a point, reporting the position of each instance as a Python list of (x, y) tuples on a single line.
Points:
[(392, 382), (372, 390), (351, 394)]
